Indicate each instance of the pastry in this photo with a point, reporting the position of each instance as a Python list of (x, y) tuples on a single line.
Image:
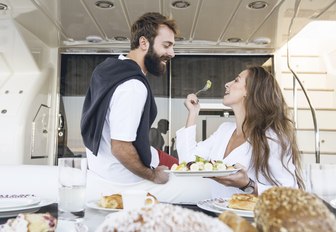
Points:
[(292, 210), (242, 201), (113, 201), (236, 223), (29, 222)]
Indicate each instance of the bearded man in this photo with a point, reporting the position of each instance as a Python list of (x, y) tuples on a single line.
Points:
[(119, 109)]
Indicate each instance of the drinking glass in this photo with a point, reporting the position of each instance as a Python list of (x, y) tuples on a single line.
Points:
[(322, 180), (72, 183)]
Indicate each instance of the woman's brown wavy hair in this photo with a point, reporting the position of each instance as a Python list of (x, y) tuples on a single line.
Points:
[(266, 109)]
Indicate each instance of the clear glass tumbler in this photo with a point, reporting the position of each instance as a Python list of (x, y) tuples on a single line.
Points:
[(72, 174)]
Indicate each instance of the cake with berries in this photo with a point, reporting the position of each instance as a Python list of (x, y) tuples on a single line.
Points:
[(30, 222)]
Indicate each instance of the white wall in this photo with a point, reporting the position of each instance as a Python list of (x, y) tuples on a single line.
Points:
[(26, 96), (312, 54)]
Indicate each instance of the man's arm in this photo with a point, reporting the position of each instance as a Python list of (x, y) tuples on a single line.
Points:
[(126, 153)]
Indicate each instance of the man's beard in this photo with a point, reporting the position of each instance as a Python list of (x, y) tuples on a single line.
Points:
[(153, 62)]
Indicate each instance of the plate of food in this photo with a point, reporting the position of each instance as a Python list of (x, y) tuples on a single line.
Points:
[(241, 204), (241, 208), (203, 173), (203, 168), (112, 203)]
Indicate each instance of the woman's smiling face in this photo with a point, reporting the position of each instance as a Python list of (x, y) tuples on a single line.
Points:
[(235, 91)]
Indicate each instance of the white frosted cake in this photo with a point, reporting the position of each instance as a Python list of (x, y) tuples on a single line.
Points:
[(162, 217)]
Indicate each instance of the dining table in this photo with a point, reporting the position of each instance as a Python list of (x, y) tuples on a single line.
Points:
[(42, 181), (94, 217)]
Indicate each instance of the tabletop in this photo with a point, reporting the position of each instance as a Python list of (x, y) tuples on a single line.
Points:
[(93, 218)]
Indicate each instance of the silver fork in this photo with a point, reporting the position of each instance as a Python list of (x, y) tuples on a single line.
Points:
[(205, 88)]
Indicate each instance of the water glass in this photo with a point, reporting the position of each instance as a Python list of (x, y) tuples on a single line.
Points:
[(322, 180), (72, 174)]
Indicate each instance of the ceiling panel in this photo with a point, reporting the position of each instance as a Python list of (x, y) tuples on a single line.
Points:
[(29, 16), (74, 19), (137, 8), (185, 18), (247, 20), (205, 24), (111, 21), (210, 27)]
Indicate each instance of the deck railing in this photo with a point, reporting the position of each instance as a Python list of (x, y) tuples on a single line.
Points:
[(296, 79)]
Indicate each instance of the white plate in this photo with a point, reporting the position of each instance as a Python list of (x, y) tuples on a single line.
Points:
[(203, 173), (218, 205), (223, 203), (17, 202), (13, 212), (94, 205)]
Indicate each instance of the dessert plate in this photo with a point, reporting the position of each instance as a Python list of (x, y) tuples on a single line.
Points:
[(13, 212), (218, 205), (223, 205), (204, 173), (17, 202), (94, 205)]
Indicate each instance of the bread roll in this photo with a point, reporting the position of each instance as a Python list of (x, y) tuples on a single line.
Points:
[(292, 210), (242, 201), (236, 223)]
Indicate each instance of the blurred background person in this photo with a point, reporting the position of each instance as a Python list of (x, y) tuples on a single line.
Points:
[(156, 139)]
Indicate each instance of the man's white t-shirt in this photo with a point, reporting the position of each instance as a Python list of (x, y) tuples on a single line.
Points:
[(121, 123)]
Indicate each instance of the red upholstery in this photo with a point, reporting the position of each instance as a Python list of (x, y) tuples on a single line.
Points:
[(166, 159)]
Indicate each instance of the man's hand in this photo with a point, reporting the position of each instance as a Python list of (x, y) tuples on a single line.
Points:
[(161, 177)]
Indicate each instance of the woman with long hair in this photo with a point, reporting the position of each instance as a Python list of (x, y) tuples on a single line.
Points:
[(261, 142)]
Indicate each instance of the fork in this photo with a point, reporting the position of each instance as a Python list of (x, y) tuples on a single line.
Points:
[(205, 88)]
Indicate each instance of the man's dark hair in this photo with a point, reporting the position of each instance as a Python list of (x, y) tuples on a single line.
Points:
[(147, 25)]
